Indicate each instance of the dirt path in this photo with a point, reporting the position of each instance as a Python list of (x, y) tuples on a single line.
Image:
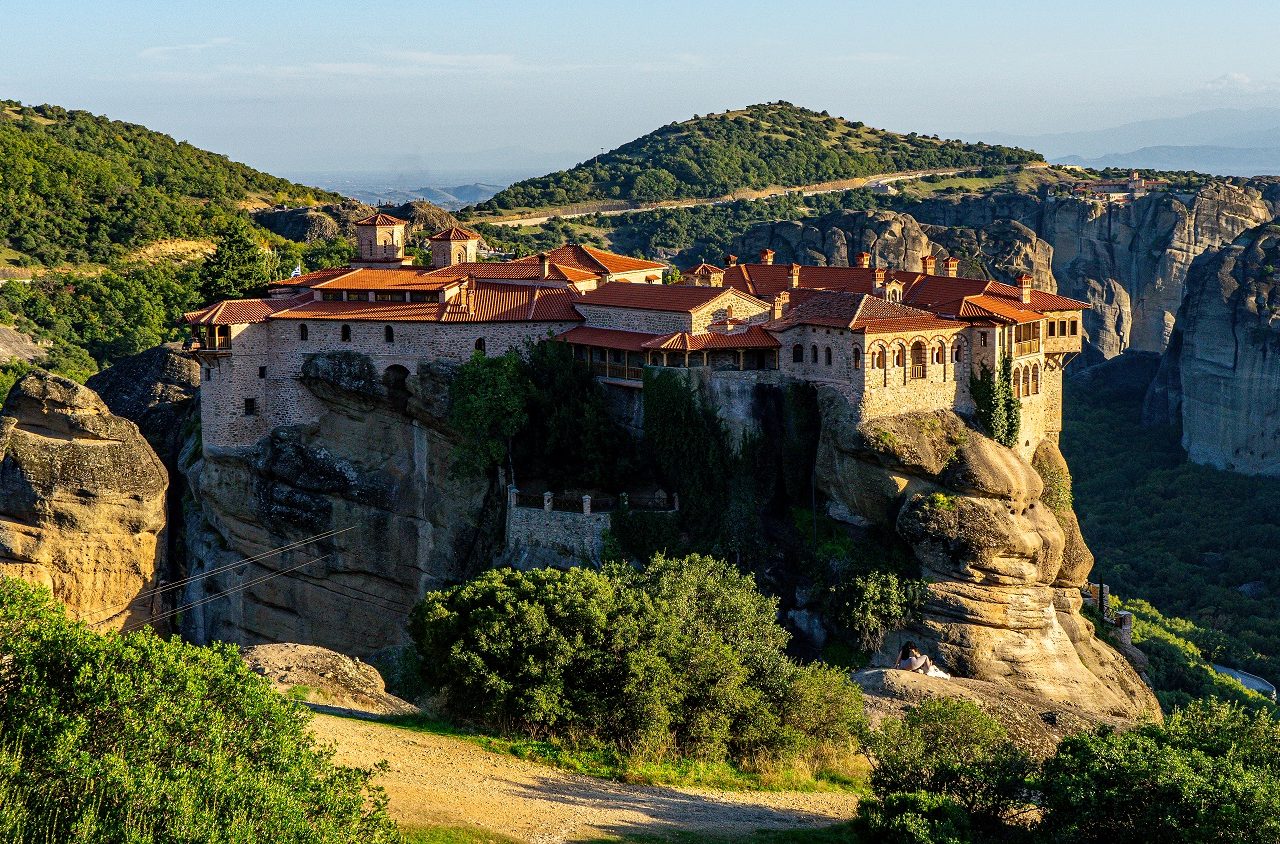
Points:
[(439, 780)]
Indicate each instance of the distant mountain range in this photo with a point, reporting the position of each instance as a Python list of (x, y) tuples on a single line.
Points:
[(451, 198), (1225, 141)]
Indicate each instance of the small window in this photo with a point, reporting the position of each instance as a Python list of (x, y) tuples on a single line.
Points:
[(262, 372), (1075, 328), (480, 345), (982, 339), (957, 353), (302, 331), (346, 334), (389, 296), (1053, 328), (357, 295), (250, 407), (899, 358), (388, 334), (814, 355), (797, 353), (828, 355), (857, 358), (331, 295)]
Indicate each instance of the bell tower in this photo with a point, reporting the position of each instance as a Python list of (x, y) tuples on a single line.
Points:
[(380, 241), (454, 246)]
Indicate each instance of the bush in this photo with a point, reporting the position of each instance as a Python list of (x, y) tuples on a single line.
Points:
[(135, 738), (914, 818), (682, 657)]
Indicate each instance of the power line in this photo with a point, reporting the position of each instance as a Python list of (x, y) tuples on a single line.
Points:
[(180, 583), (129, 628)]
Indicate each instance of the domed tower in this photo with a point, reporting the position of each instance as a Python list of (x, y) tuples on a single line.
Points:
[(380, 240), (454, 246)]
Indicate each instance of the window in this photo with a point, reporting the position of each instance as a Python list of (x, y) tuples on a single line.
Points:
[(814, 356), (346, 334), (1016, 378), (1075, 328), (1062, 328), (797, 353), (262, 372), (389, 296), (480, 345), (982, 339), (828, 355), (1053, 328), (302, 331), (899, 356), (424, 296), (357, 295), (917, 359), (250, 407), (878, 359), (388, 334), (331, 295), (1035, 379), (957, 352), (857, 358)]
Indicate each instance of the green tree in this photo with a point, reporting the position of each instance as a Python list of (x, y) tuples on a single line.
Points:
[(998, 409), (487, 400), (237, 267)]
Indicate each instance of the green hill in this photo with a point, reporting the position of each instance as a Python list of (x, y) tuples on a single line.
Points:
[(75, 187), (755, 147)]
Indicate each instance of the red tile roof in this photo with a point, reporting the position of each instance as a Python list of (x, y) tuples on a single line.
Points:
[(313, 278), (489, 302), (593, 260), (607, 338), (754, 337), (513, 271), (381, 219), (656, 297), (855, 311), (241, 311), (703, 269), (455, 233)]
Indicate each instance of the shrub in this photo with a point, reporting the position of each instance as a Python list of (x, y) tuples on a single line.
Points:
[(135, 738), (683, 656), (914, 818)]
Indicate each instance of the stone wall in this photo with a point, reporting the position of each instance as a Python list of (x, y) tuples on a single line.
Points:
[(575, 536)]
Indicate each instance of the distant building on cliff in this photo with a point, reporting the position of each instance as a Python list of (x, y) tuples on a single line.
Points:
[(891, 340), (1119, 190)]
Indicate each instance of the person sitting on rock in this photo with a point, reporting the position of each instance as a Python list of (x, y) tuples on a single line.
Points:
[(910, 659)]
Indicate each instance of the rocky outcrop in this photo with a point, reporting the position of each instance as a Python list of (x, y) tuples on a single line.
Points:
[(374, 478), (82, 500), (1220, 377), (157, 390), (15, 344), (325, 222), (1004, 568), (326, 679)]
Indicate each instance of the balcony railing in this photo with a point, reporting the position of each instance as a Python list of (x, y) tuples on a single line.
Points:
[(917, 371), (1026, 347), (617, 370)]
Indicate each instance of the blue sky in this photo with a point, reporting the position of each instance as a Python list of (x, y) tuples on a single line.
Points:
[(468, 89)]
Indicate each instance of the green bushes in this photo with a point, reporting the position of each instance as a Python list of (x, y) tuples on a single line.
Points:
[(134, 738), (997, 408), (682, 658)]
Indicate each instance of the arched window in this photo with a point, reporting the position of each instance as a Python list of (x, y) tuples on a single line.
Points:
[(882, 360), (1016, 377), (302, 331), (938, 355), (899, 356), (814, 355), (857, 358), (1035, 379), (957, 352), (1026, 381), (462, 256), (917, 359), (346, 334), (797, 353), (828, 355), (388, 334), (480, 345)]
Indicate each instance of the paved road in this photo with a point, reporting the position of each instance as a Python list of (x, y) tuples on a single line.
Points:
[(1249, 681), (804, 190)]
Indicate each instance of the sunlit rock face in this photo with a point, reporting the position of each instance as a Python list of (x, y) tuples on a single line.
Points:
[(1004, 569), (82, 501)]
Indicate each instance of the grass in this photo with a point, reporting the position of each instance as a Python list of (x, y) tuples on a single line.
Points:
[(454, 835), (837, 834), (844, 774)]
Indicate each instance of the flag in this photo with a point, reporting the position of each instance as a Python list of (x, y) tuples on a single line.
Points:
[(297, 271)]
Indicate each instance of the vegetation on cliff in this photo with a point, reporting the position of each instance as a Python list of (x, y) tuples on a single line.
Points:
[(998, 410), (75, 187), (755, 147), (140, 739)]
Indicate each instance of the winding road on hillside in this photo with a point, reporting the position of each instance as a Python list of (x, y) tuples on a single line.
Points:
[(437, 780), (880, 180)]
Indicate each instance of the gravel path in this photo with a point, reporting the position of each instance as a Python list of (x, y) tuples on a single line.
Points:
[(446, 781)]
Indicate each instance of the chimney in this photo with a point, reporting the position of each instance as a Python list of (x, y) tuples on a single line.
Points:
[(927, 264), (463, 298), (766, 256), (881, 272), (864, 260), (780, 303), (545, 260), (731, 260), (952, 267), (1024, 285), (793, 277)]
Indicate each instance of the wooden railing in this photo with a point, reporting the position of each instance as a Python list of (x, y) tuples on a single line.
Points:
[(617, 370), (1026, 347), (917, 371)]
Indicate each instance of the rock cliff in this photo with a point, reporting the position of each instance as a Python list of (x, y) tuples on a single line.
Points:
[(1220, 377), (377, 466), (324, 222), (82, 500), (998, 545)]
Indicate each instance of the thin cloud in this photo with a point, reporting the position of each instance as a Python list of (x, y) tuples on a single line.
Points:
[(174, 50)]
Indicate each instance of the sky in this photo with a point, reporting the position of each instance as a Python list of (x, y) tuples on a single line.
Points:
[(496, 90)]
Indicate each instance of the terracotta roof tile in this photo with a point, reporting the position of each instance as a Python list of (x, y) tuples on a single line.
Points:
[(381, 219), (596, 261), (455, 233), (241, 311), (656, 297), (754, 337), (854, 311), (607, 338), (489, 302)]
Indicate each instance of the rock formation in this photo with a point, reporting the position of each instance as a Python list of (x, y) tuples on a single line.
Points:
[(326, 679), (82, 500), (1220, 377), (157, 390), (378, 466), (324, 222), (998, 545)]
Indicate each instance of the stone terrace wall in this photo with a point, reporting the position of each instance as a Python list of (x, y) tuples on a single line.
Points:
[(573, 536)]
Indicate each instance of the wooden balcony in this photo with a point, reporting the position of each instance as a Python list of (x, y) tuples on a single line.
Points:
[(1026, 347), (617, 370)]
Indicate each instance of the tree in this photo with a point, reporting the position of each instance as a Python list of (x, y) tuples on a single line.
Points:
[(998, 409), (237, 266), (487, 408)]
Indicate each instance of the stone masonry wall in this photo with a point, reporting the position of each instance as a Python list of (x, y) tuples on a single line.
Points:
[(575, 536)]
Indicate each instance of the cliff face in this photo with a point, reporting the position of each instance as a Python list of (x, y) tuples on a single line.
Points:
[(1004, 566), (1221, 375), (82, 500), (325, 222), (378, 467), (1128, 260)]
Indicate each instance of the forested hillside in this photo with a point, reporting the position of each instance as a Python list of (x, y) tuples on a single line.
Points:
[(755, 147), (75, 187)]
